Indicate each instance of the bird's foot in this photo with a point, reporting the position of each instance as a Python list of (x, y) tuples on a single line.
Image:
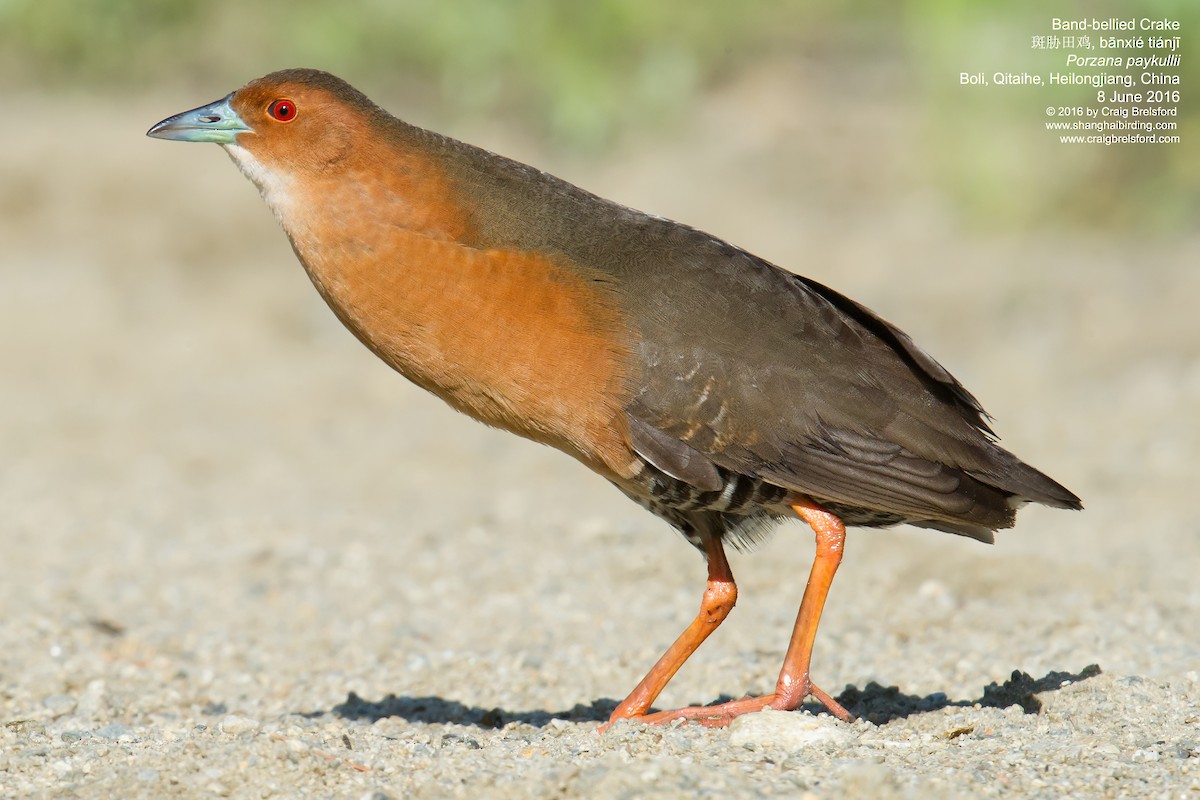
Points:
[(720, 715)]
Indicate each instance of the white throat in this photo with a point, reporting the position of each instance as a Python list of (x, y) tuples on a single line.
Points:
[(275, 188)]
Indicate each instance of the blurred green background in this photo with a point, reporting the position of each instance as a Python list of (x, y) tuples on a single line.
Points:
[(581, 75)]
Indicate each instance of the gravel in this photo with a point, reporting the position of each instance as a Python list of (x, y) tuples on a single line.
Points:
[(242, 559)]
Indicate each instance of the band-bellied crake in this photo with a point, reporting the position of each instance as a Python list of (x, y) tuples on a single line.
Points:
[(715, 389)]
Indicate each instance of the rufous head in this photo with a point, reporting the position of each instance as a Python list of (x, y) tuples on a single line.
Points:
[(321, 154), (281, 126)]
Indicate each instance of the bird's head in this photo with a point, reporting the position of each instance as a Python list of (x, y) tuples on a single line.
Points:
[(281, 127)]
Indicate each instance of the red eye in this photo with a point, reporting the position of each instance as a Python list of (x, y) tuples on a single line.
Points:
[(282, 110)]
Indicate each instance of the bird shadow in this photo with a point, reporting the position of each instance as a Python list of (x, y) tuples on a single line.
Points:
[(874, 703), (883, 704), (434, 710)]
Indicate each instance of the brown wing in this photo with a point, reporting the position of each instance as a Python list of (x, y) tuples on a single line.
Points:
[(773, 375)]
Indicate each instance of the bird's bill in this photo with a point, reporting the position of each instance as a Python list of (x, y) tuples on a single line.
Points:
[(216, 122)]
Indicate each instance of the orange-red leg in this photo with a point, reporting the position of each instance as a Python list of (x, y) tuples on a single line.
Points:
[(793, 684), (719, 598)]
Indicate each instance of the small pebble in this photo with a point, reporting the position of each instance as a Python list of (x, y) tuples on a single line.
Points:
[(235, 725), (786, 730), (112, 731), (91, 703)]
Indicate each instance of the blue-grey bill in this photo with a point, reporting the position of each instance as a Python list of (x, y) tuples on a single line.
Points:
[(216, 122)]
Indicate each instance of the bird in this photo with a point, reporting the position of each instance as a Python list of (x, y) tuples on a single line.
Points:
[(719, 391)]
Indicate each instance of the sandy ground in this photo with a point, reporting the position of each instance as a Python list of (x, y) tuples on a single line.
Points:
[(241, 558)]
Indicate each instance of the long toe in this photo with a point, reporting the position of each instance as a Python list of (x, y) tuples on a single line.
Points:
[(717, 716), (720, 715)]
